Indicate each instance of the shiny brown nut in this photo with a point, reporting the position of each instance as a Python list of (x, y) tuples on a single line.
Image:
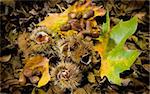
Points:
[(82, 24), (72, 15), (88, 14), (95, 34), (78, 15), (65, 27), (73, 20), (88, 26), (41, 37), (75, 25), (34, 79), (27, 72)]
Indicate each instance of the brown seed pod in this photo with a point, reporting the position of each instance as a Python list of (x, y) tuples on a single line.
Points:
[(86, 59), (78, 15), (40, 35), (65, 27), (88, 26), (88, 14), (66, 75), (82, 24), (95, 34), (34, 79), (75, 24), (72, 15)]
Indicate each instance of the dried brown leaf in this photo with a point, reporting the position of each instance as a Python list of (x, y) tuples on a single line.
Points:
[(5, 58)]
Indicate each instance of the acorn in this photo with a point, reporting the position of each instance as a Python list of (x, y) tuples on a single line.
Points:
[(65, 27), (88, 14)]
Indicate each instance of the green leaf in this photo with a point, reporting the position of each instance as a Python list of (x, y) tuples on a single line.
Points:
[(121, 32), (115, 58), (106, 26), (119, 60)]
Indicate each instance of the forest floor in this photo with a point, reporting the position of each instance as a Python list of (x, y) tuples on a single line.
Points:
[(18, 16)]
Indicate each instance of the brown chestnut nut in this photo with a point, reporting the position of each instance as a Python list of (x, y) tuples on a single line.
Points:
[(65, 27), (88, 14), (78, 15), (88, 26), (82, 24), (34, 79), (95, 34), (72, 15), (75, 24)]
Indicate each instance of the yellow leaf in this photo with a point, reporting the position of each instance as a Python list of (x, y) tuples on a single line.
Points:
[(102, 45), (45, 77), (54, 21), (42, 64)]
